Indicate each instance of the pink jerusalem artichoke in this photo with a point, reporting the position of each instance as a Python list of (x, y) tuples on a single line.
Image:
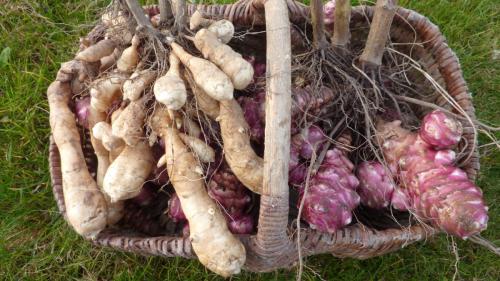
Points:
[(440, 131), (241, 225), (254, 115), (82, 108), (376, 186), (175, 210), (437, 191), (331, 195), (230, 193), (302, 145)]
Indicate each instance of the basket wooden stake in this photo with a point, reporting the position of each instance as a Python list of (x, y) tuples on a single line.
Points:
[(272, 239), (341, 32), (166, 14), (318, 24), (379, 32)]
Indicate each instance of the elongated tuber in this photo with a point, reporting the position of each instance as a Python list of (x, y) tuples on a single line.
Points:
[(437, 191), (129, 124), (129, 171), (137, 83), (190, 127), (109, 61), (239, 154), (204, 102), (206, 75), (212, 242), (96, 52), (238, 69), (85, 204), (170, 89), (202, 150), (130, 57)]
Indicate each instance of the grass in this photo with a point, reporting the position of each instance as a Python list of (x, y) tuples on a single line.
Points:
[(35, 242)]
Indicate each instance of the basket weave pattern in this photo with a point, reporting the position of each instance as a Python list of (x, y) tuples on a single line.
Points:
[(355, 241)]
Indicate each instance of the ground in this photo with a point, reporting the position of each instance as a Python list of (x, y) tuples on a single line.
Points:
[(36, 243)]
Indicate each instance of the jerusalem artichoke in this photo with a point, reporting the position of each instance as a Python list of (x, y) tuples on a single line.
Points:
[(85, 204), (206, 75), (437, 191), (238, 69)]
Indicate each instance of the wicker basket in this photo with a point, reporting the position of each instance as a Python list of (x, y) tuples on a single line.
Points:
[(267, 250)]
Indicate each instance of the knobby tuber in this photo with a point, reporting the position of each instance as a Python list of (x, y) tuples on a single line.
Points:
[(223, 29), (175, 210), (331, 195), (238, 69), (440, 131), (438, 192), (304, 144), (376, 186), (329, 11), (82, 110), (108, 62), (106, 90)]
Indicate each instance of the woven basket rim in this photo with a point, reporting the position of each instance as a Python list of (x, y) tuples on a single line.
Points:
[(356, 241)]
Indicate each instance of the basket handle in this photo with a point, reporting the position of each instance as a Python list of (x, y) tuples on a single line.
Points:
[(249, 12), (272, 240)]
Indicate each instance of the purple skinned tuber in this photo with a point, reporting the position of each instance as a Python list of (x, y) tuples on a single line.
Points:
[(302, 146), (304, 101), (440, 131), (252, 107), (437, 191), (400, 200), (329, 12), (331, 195), (376, 186), (175, 210), (241, 225), (82, 110), (309, 100), (145, 196), (233, 197), (259, 70), (313, 139), (229, 192)]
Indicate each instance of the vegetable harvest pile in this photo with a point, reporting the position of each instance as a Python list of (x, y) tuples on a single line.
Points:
[(175, 113)]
